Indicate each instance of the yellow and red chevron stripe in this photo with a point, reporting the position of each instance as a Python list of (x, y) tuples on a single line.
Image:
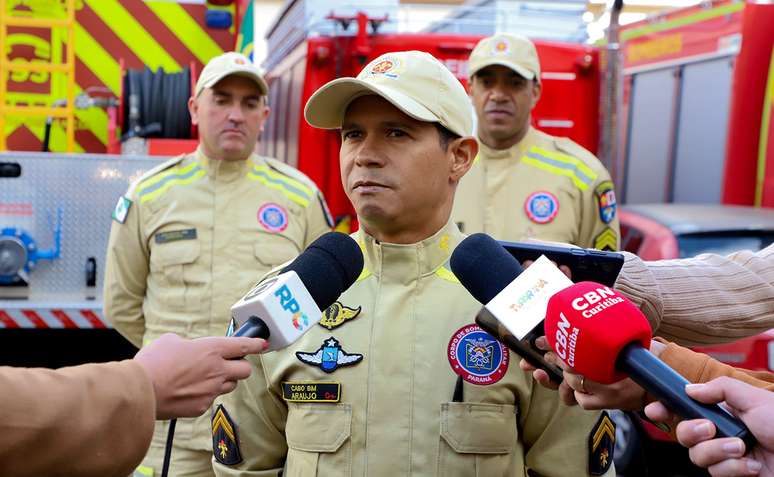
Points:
[(157, 34)]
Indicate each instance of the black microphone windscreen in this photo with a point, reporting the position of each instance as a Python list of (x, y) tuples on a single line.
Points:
[(328, 266), (483, 266)]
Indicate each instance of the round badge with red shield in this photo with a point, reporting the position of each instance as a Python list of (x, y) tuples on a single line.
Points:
[(273, 217), (541, 207), (476, 356)]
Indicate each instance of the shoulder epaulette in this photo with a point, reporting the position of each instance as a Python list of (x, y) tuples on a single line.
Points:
[(561, 163), (159, 179), (286, 179)]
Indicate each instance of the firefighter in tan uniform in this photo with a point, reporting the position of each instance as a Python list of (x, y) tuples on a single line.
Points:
[(397, 379), (525, 183), (192, 235)]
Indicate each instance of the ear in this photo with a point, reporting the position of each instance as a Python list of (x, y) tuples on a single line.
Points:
[(264, 116), (537, 88), (462, 152), (193, 109)]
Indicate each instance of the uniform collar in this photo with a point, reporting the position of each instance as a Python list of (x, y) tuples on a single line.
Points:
[(404, 263), (221, 171), (517, 150)]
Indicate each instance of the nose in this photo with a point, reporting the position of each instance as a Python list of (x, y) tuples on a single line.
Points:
[(367, 154), (235, 114)]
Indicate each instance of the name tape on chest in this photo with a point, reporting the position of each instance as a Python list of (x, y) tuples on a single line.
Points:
[(311, 391)]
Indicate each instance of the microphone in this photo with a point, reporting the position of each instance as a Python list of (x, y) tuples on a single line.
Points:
[(285, 306), (605, 337), (514, 302)]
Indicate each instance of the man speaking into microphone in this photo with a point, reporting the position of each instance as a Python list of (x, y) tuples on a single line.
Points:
[(396, 379)]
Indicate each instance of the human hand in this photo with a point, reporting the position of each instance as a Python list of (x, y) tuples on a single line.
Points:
[(727, 457), (187, 375)]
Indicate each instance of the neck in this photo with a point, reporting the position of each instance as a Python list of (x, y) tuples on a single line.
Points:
[(391, 231), (213, 156), (501, 143)]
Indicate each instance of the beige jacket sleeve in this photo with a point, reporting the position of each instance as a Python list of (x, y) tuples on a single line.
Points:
[(126, 272), (99, 423), (253, 406), (703, 300), (318, 219)]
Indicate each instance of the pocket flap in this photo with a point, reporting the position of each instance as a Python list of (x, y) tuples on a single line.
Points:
[(176, 253), (478, 428), (318, 427), (273, 252)]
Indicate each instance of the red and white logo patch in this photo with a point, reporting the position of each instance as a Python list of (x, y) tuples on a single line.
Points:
[(476, 356), (273, 217)]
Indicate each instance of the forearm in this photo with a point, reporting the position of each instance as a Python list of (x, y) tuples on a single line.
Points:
[(704, 300), (100, 423)]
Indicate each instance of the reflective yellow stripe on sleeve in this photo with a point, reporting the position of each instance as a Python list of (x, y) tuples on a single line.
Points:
[(296, 191), (447, 275), (142, 471), (561, 164), (155, 186)]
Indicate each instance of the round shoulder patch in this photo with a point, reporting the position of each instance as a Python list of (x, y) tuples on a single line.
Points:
[(541, 207), (476, 356), (273, 217)]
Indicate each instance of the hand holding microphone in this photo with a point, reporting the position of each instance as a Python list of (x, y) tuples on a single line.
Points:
[(604, 337), (282, 308)]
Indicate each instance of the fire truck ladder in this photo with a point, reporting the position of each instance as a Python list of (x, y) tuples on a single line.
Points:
[(67, 68)]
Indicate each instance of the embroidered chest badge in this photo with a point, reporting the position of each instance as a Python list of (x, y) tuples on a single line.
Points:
[(336, 314), (225, 443), (329, 357), (273, 217), (541, 207), (476, 356)]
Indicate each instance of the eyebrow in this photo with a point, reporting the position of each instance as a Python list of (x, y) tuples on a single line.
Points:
[(226, 94)]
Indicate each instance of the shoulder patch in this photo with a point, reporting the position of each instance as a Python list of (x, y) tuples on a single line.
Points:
[(606, 240), (606, 203), (122, 209), (601, 445), (225, 442)]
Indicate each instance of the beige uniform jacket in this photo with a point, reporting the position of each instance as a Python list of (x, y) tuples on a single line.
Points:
[(706, 299), (94, 420), (190, 237), (387, 353), (544, 187)]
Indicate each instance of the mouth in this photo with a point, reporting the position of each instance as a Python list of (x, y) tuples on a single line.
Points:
[(368, 186), (499, 112), (232, 131)]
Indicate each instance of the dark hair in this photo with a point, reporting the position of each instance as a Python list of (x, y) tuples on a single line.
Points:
[(445, 136)]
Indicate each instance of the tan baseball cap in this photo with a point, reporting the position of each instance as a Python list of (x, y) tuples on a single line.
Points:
[(512, 51), (413, 81), (228, 64)]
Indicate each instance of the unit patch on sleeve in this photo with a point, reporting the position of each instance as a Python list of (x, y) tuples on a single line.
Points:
[(601, 445), (541, 207), (122, 209), (336, 314), (225, 443), (476, 356), (175, 235), (606, 240), (606, 201), (329, 356), (311, 391)]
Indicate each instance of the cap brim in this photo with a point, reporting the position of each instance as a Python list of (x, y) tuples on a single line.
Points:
[(326, 108), (262, 86), (522, 71)]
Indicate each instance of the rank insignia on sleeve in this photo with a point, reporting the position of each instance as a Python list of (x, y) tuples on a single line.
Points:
[(122, 209), (606, 240), (293, 391), (336, 314), (601, 445), (225, 443), (329, 356), (606, 201)]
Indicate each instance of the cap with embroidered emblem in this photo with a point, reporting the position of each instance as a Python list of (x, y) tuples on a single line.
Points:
[(228, 64), (413, 81), (512, 51)]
